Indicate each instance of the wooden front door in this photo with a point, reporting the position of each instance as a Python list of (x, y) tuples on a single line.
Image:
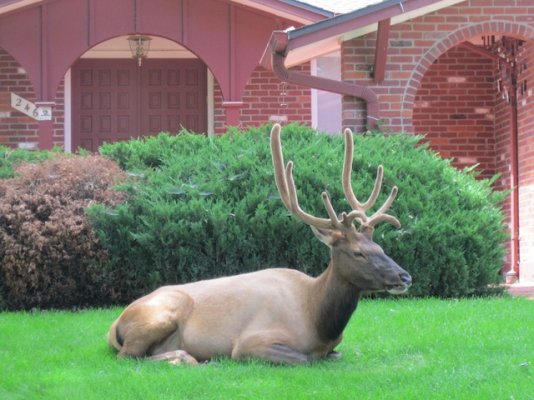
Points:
[(116, 100), (173, 95)]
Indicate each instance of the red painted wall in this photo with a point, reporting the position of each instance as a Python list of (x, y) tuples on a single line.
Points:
[(48, 37), (262, 99)]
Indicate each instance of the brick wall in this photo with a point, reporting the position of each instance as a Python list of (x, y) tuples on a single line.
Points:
[(357, 58), (503, 126), (526, 164), (503, 163), (417, 51), (266, 96), (414, 45), (525, 116), (16, 127), (454, 108)]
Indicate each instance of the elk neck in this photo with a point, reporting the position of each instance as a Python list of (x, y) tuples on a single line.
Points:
[(334, 300)]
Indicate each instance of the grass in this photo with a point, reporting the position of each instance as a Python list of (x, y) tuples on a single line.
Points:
[(405, 349)]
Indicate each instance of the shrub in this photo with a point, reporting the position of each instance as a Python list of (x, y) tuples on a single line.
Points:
[(204, 207), (49, 254), (10, 158)]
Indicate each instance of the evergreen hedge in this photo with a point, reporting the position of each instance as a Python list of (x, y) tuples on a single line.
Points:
[(204, 207)]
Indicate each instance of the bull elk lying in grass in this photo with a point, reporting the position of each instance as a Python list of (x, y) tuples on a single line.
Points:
[(279, 315)]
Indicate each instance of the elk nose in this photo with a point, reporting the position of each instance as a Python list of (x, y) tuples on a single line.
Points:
[(406, 278)]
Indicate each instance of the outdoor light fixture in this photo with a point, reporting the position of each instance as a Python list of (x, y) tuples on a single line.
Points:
[(139, 46)]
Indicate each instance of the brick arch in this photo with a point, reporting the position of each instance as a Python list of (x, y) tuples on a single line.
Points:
[(520, 31)]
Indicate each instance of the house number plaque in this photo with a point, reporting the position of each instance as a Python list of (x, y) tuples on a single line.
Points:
[(40, 113)]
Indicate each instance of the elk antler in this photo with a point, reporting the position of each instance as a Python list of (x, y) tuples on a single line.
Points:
[(288, 192), (378, 216)]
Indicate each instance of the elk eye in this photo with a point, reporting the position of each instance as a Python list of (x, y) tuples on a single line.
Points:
[(357, 254)]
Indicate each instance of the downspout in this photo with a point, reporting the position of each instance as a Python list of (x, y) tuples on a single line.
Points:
[(278, 46), (513, 275)]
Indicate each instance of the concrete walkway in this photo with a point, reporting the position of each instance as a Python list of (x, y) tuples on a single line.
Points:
[(523, 290)]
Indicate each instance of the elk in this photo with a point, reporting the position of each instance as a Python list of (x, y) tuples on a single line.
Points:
[(279, 315)]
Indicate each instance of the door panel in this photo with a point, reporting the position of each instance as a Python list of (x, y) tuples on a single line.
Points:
[(116, 100), (104, 102), (166, 97)]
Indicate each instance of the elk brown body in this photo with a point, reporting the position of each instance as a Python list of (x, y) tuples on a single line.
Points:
[(279, 315)]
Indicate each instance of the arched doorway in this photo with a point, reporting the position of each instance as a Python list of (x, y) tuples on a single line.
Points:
[(474, 104), (113, 98)]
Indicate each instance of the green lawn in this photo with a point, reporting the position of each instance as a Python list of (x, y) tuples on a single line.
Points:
[(407, 349)]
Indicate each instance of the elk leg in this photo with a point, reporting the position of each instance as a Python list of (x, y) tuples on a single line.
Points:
[(269, 346), (150, 322), (175, 357), (138, 341)]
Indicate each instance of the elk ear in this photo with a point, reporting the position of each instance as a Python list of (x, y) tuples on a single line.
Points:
[(327, 236), (367, 231)]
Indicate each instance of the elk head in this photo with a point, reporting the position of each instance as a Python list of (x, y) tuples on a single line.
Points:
[(356, 258)]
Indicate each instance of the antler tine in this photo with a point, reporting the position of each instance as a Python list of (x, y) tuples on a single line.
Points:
[(347, 171), (381, 216), (278, 164), (361, 208), (286, 186), (295, 206), (376, 189), (347, 182), (338, 223)]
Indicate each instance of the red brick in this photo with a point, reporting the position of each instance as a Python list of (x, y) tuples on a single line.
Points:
[(262, 99)]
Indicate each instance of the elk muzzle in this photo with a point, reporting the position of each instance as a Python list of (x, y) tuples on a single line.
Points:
[(405, 281)]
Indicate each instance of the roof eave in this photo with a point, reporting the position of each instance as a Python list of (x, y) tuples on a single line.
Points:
[(325, 36), (288, 9)]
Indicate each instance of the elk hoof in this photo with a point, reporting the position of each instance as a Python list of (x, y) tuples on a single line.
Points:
[(334, 355), (183, 358), (175, 357)]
